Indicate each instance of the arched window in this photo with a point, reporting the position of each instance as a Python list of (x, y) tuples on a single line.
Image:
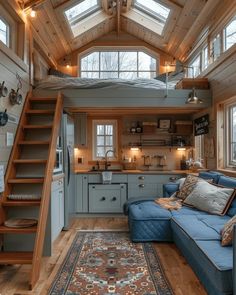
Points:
[(118, 64)]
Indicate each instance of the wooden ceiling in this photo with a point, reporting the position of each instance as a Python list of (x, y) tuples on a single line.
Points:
[(188, 19)]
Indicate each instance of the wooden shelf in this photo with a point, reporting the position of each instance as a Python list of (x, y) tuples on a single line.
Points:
[(16, 257)]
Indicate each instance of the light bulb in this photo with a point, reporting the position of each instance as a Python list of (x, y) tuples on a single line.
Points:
[(33, 13)]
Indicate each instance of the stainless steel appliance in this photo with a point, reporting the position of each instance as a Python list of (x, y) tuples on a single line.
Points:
[(58, 166), (68, 167)]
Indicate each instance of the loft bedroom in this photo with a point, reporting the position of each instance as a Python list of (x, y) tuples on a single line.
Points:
[(117, 147)]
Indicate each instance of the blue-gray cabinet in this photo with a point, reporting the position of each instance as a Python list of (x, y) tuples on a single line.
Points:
[(107, 198)]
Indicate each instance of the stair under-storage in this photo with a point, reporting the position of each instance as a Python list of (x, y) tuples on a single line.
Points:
[(28, 183)]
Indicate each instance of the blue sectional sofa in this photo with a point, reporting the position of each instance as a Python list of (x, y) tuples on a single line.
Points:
[(196, 234)]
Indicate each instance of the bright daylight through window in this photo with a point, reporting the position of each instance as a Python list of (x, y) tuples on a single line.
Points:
[(80, 11), (232, 135), (230, 34), (118, 64), (4, 32), (154, 9)]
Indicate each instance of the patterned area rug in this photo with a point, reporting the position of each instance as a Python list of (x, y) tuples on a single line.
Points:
[(103, 263)]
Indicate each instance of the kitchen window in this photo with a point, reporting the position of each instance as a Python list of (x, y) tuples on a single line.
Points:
[(104, 138), (118, 64), (230, 134)]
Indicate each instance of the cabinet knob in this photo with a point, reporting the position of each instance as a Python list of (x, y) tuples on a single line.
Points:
[(93, 186), (114, 199), (85, 177), (141, 185), (103, 199), (141, 177)]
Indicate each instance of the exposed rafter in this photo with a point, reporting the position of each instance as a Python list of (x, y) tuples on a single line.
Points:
[(29, 4)]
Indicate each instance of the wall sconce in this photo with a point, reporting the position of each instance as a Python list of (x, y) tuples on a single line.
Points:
[(3, 90), (134, 148), (181, 149)]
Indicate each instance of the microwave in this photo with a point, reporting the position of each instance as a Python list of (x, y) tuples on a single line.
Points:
[(58, 166)]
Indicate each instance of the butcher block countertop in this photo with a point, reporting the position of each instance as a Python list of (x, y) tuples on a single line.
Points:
[(154, 172)]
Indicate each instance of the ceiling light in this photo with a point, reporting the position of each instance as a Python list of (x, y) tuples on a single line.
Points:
[(33, 13), (193, 99)]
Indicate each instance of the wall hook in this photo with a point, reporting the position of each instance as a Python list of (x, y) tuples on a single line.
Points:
[(3, 90)]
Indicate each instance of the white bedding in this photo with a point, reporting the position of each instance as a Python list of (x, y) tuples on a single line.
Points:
[(57, 83)]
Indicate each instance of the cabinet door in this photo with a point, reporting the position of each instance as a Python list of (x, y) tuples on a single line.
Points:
[(55, 214), (81, 193), (61, 209), (107, 198), (81, 129)]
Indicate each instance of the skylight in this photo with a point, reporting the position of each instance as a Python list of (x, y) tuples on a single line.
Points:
[(81, 10), (153, 8)]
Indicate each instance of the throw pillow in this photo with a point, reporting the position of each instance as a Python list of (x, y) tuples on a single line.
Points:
[(210, 198), (227, 232), (187, 186)]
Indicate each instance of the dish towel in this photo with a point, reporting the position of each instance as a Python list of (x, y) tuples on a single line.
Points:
[(106, 177)]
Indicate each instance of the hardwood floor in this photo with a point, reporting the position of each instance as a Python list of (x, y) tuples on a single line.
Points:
[(14, 279)]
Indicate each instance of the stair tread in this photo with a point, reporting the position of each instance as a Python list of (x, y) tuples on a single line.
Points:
[(40, 112), (14, 230), (16, 257), (21, 203), (26, 180), (30, 161), (43, 99), (22, 142), (37, 126)]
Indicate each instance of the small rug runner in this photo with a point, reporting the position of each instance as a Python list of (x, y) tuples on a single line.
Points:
[(103, 263)]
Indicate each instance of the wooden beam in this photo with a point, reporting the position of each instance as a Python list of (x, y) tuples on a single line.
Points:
[(118, 8), (32, 3)]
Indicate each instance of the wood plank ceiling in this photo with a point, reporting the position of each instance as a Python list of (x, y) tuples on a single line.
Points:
[(187, 19)]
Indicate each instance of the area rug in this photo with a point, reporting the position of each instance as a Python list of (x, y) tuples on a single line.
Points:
[(103, 263)]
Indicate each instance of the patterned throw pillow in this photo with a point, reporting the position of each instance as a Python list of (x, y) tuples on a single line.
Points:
[(187, 187), (227, 232)]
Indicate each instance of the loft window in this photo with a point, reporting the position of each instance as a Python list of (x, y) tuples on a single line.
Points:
[(216, 47), (118, 64), (230, 34), (195, 67), (81, 10), (154, 9), (4, 32), (104, 138)]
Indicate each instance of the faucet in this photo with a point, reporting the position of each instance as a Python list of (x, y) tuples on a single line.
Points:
[(107, 164)]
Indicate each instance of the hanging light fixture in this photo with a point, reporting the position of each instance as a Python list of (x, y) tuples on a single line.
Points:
[(193, 99)]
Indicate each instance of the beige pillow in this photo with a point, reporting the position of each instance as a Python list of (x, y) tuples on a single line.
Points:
[(210, 198), (187, 187), (227, 232)]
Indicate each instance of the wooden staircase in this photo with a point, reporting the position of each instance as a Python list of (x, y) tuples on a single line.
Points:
[(33, 153)]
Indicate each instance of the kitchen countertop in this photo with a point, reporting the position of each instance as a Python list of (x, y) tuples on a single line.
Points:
[(137, 172)]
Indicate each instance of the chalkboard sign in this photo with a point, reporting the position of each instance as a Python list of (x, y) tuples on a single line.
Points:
[(201, 125)]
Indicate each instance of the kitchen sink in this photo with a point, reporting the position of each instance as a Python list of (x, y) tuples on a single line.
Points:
[(102, 170)]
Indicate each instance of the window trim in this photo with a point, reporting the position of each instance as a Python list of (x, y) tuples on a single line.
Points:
[(118, 49), (7, 31), (228, 162), (96, 122), (224, 33)]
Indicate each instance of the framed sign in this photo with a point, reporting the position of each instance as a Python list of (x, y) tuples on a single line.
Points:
[(201, 125)]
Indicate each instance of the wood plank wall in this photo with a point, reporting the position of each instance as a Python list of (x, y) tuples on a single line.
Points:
[(222, 79), (8, 70)]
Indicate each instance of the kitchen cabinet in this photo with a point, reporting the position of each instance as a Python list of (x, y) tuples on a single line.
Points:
[(94, 197), (143, 185), (57, 208), (80, 120), (107, 198)]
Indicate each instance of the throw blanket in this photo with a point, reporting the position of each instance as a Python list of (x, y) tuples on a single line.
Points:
[(171, 203)]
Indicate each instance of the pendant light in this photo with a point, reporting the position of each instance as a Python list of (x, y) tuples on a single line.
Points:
[(193, 99)]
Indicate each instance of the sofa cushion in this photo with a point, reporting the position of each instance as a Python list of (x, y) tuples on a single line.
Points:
[(201, 227), (227, 232), (210, 198), (149, 222), (211, 262), (187, 211), (208, 175), (229, 182)]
